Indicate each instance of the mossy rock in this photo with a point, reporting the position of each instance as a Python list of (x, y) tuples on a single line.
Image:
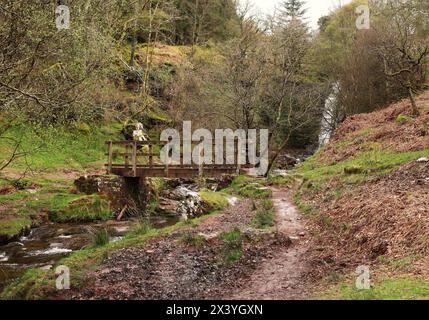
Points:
[(353, 170), (84, 209)]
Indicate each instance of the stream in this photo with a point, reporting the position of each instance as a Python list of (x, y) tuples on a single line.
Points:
[(47, 244)]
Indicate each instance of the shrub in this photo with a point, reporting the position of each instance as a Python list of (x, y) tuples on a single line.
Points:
[(20, 184), (190, 239), (143, 227), (233, 241), (82, 127), (264, 217), (100, 238), (402, 119), (217, 200)]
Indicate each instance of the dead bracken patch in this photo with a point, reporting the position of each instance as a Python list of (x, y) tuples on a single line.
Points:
[(384, 218), (359, 132)]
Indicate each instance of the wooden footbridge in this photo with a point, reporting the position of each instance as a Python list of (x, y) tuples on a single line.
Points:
[(143, 159)]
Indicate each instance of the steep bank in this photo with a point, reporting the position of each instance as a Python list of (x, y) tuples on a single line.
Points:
[(366, 196)]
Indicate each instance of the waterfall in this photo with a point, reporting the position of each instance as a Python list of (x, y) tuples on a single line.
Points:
[(329, 119)]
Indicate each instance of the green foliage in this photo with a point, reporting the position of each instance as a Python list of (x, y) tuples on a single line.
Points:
[(75, 208), (389, 289), (264, 217), (306, 208), (216, 20), (217, 200), (280, 180), (359, 167), (14, 225), (25, 288), (20, 184), (100, 238), (191, 239), (233, 241), (82, 127), (249, 188), (143, 227), (52, 148), (402, 119)]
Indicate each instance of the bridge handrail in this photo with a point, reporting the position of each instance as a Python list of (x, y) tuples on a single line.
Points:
[(133, 153)]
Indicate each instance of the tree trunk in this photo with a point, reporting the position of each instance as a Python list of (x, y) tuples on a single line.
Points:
[(413, 102)]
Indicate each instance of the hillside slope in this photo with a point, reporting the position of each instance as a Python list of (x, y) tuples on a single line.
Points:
[(366, 195)]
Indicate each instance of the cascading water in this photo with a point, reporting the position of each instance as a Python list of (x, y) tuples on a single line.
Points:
[(329, 119)]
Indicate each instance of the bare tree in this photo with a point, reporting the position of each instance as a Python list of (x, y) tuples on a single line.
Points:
[(404, 47)]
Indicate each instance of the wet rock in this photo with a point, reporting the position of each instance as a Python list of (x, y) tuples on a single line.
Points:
[(286, 161), (279, 173), (192, 205), (183, 202), (96, 184), (132, 192), (232, 201), (423, 160)]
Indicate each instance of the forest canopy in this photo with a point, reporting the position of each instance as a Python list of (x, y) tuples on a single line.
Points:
[(213, 62)]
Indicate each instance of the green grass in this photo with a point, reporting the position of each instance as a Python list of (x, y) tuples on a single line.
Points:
[(143, 227), (249, 188), (402, 119), (74, 208), (316, 175), (23, 206), (390, 289), (14, 226), (366, 164), (305, 208), (100, 238), (52, 148), (264, 217), (280, 180), (191, 239), (233, 242), (217, 200)]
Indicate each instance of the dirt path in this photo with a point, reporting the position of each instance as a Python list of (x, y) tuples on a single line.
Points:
[(284, 276)]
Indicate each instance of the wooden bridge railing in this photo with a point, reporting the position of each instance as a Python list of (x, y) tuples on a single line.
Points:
[(141, 159)]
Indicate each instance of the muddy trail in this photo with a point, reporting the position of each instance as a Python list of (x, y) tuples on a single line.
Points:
[(284, 276), (191, 263)]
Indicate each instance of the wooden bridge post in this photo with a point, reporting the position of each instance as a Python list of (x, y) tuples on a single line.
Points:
[(134, 158), (126, 156), (237, 148), (150, 155)]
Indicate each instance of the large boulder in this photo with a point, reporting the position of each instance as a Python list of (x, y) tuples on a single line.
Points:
[(183, 202), (132, 192)]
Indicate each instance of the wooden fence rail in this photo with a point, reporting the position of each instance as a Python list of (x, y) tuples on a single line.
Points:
[(139, 159)]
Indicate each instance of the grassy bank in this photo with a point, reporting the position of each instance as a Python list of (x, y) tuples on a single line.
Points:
[(41, 183), (358, 194), (397, 288)]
